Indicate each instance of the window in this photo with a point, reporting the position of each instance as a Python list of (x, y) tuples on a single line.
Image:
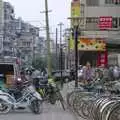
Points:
[(82, 7), (115, 2), (119, 22), (92, 2), (92, 20), (115, 23), (108, 1)]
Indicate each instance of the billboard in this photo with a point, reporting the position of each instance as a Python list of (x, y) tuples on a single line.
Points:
[(105, 22), (89, 44)]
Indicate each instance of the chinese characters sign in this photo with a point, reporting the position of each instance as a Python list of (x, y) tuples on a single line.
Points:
[(105, 22)]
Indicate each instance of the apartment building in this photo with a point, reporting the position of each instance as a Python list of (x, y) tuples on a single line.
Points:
[(17, 38), (27, 37)]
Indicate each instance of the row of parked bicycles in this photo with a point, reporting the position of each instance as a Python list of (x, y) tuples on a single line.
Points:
[(96, 100), (26, 95)]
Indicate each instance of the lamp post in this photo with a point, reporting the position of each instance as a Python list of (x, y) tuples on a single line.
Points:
[(75, 22)]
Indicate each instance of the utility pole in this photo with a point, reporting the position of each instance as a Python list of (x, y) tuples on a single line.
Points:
[(56, 48), (48, 38), (61, 24), (76, 54)]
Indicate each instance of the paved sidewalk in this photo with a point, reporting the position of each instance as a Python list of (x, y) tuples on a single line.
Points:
[(69, 87)]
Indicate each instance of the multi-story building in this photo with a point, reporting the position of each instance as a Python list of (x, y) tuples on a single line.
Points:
[(9, 29), (1, 25), (99, 19), (41, 47), (17, 37), (27, 37)]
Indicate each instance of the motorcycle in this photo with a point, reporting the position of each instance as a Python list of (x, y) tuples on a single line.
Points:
[(29, 98), (49, 91)]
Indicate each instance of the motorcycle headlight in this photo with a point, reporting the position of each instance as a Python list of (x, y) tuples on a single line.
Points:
[(19, 79)]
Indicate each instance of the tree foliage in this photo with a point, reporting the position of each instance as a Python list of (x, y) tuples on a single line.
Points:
[(39, 63)]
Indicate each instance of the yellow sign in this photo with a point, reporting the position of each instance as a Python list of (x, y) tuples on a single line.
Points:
[(86, 44), (75, 10)]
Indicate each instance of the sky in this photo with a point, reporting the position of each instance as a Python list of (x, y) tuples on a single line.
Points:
[(30, 10)]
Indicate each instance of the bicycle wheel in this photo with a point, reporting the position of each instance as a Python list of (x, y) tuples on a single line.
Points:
[(114, 113), (71, 96), (81, 102), (95, 109), (85, 109), (105, 109)]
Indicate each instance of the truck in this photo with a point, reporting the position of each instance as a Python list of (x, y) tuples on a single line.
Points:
[(9, 72)]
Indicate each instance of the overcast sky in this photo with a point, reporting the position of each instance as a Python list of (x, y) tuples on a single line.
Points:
[(30, 10)]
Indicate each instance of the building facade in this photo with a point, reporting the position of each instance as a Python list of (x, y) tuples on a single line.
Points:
[(99, 19), (18, 38), (26, 40), (1, 25), (9, 29), (95, 9)]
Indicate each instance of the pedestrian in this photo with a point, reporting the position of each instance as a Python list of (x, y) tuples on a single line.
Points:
[(111, 78), (88, 73), (116, 72)]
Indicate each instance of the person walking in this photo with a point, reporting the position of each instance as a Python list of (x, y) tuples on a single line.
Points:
[(116, 72), (88, 73)]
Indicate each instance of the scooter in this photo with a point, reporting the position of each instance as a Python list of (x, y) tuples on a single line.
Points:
[(49, 91), (30, 98)]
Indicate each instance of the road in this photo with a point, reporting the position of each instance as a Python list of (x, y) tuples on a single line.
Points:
[(50, 112)]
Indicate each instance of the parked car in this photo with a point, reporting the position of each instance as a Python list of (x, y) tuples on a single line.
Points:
[(66, 75)]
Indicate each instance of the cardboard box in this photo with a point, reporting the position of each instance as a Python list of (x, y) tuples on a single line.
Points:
[(9, 79)]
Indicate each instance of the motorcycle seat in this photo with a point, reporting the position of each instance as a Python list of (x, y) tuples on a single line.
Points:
[(44, 82)]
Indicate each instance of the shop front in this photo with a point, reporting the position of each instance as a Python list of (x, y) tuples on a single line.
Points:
[(92, 50)]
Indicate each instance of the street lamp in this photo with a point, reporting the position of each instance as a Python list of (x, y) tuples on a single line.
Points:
[(75, 21)]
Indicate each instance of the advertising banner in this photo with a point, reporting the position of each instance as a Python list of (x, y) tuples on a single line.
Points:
[(87, 44), (102, 59), (75, 10)]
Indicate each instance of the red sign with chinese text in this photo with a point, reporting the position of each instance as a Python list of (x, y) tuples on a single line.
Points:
[(102, 59), (105, 22)]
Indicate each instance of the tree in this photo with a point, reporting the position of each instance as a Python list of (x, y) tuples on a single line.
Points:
[(39, 63)]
